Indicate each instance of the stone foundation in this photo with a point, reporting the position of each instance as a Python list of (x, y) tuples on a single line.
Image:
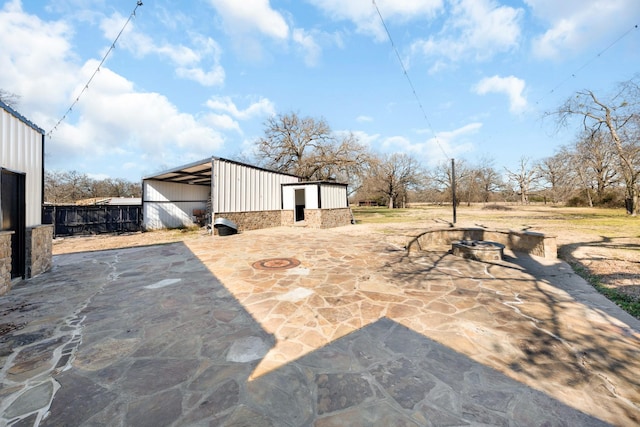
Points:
[(288, 218), (327, 218), (39, 248), (253, 220), (529, 242), (5, 261), (313, 218)]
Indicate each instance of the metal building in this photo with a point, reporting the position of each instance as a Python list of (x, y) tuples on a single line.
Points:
[(249, 196), (21, 197)]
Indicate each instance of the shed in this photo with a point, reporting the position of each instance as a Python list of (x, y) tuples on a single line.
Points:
[(249, 196), (25, 243)]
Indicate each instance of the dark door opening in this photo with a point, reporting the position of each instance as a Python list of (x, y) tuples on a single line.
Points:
[(12, 215), (300, 205)]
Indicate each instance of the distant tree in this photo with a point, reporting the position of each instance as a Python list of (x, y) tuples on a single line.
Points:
[(72, 186), (524, 178), (478, 182), (308, 148), (595, 162), (393, 177), (11, 99), (618, 116), (441, 179), (558, 175)]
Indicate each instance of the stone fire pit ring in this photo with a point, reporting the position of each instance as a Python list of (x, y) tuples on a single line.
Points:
[(478, 250)]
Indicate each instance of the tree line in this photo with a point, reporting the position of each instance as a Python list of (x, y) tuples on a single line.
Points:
[(70, 187)]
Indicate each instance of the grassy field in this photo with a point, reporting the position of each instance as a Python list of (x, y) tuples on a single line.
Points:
[(598, 222)]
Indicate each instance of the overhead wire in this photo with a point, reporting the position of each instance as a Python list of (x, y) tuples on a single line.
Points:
[(406, 74), (104, 58), (587, 63)]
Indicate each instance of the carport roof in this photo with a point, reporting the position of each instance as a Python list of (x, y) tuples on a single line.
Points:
[(198, 173)]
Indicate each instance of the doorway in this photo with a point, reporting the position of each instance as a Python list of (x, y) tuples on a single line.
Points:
[(300, 205), (12, 217)]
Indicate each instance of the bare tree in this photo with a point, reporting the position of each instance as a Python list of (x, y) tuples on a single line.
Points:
[(308, 148), (72, 186), (559, 175), (595, 163), (618, 116), (486, 180), (524, 178), (394, 176)]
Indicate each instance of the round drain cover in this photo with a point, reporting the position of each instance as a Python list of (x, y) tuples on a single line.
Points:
[(276, 263)]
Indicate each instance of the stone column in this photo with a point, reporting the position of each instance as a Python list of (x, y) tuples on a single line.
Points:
[(5, 261)]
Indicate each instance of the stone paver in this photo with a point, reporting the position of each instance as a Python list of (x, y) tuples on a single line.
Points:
[(359, 334)]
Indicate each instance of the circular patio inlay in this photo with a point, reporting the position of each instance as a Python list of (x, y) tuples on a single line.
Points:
[(276, 264)]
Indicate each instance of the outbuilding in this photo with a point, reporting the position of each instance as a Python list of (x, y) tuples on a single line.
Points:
[(25, 243), (247, 196)]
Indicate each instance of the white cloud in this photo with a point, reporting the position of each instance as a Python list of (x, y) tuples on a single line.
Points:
[(437, 148), (476, 30), (363, 119), (226, 114), (199, 63), (575, 25), (113, 125), (114, 119), (365, 17), (250, 16), (262, 107), (511, 86), (31, 46), (308, 45)]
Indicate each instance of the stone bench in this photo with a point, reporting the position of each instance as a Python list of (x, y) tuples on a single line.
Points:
[(529, 242)]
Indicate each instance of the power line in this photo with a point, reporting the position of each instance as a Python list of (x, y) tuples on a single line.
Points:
[(406, 74), (104, 58), (586, 64)]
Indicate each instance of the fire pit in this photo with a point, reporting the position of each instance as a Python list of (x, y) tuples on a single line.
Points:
[(478, 250)]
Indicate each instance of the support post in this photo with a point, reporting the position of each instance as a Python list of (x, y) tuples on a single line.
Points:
[(453, 188)]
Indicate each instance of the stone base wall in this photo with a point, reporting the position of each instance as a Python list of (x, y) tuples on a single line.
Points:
[(39, 248), (252, 220), (537, 244), (288, 218), (5, 261), (327, 218)]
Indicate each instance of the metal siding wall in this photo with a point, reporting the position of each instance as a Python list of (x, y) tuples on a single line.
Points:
[(288, 202), (241, 188), (169, 215), (311, 196), (333, 196), (21, 151), (171, 205), (160, 191)]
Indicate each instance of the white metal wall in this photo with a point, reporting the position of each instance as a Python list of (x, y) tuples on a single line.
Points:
[(21, 151), (171, 205), (333, 196), (241, 188)]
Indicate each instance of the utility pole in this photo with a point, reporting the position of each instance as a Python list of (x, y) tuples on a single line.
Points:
[(453, 188)]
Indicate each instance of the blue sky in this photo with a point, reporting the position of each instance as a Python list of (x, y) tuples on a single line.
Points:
[(192, 79)]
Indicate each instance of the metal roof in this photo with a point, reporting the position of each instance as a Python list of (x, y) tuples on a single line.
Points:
[(198, 173), (20, 117)]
